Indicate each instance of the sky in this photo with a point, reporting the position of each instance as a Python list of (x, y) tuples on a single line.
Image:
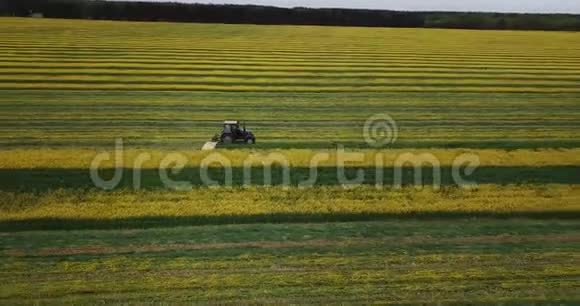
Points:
[(523, 6)]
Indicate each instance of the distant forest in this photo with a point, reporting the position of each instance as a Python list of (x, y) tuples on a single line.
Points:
[(181, 12)]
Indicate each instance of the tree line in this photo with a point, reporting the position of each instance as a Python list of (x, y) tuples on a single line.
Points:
[(253, 14)]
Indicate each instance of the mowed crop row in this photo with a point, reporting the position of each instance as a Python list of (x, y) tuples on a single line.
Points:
[(370, 262), (126, 208), (295, 120), (105, 56)]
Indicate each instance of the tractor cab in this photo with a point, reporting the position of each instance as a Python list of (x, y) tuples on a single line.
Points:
[(234, 132), (231, 127)]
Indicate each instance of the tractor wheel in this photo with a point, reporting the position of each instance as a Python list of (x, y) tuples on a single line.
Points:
[(250, 141), (228, 140)]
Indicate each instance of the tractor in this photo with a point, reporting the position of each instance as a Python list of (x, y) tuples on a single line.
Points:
[(233, 133)]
